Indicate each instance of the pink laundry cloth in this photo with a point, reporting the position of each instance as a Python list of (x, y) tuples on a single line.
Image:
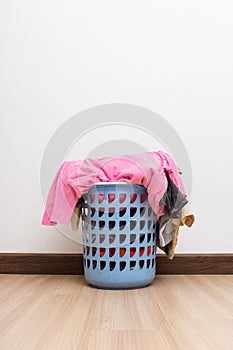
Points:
[(75, 178)]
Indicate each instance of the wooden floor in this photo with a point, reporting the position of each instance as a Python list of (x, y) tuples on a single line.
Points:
[(63, 312)]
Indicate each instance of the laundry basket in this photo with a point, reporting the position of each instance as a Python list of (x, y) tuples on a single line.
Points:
[(119, 236)]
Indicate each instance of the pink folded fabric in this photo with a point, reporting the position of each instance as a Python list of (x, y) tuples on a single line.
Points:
[(74, 178)]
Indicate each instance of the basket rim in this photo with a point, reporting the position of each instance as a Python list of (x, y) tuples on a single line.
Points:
[(112, 183)]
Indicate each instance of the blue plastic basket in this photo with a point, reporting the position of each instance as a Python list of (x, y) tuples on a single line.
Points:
[(119, 236)]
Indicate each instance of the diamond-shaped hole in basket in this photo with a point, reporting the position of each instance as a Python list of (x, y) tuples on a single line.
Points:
[(101, 224), (122, 252), (133, 224), (122, 224), (112, 251), (132, 238), (101, 211), (101, 238), (142, 237), (141, 264), (111, 238), (132, 264), (142, 197), (94, 250), (111, 211), (93, 238), (148, 237), (91, 198), (132, 251), (102, 264), (111, 197), (153, 262), (122, 265), (141, 251), (133, 211), (149, 223), (148, 263), (93, 210), (122, 197), (142, 224), (142, 211), (148, 250), (100, 198), (133, 197), (112, 265), (102, 251), (122, 211), (122, 238), (93, 224), (94, 264), (111, 224)]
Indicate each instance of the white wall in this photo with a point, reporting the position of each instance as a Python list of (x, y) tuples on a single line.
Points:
[(60, 57)]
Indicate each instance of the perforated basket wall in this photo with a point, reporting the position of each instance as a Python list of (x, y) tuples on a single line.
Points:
[(119, 237)]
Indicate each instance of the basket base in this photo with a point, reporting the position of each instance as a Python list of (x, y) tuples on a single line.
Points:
[(120, 284), (119, 288)]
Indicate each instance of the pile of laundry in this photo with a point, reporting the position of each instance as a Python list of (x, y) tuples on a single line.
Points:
[(156, 171)]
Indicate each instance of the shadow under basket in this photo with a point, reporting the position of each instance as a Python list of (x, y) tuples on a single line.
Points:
[(119, 236)]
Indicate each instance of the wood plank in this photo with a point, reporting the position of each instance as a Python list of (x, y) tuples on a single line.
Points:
[(43, 312)]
